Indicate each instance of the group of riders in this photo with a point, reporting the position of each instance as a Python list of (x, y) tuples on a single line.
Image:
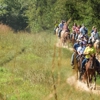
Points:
[(84, 43)]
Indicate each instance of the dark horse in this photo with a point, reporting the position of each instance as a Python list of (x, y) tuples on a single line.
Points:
[(90, 72), (79, 62), (72, 38)]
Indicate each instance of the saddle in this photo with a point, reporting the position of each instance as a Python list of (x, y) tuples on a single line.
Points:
[(91, 64), (79, 56)]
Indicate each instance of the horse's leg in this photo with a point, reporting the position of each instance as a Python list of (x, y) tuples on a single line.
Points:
[(77, 71), (94, 80), (80, 76), (61, 42), (68, 41), (90, 78), (87, 78), (84, 77), (65, 42), (90, 81)]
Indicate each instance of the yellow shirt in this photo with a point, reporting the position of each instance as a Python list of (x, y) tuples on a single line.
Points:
[(90, 51), (56, 25)]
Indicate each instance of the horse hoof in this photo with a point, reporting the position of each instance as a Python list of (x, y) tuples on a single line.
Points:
[(91, 88), (88, 86), (94, 88)]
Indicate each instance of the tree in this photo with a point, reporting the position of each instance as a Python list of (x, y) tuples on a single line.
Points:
[(13, 14)]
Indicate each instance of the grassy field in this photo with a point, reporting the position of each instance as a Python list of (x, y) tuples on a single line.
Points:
[(33, 68)]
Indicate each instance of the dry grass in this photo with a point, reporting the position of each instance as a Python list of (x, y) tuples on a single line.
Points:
[(4, 29)]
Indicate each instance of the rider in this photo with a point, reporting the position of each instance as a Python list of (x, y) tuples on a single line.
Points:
[(93, 29), (60, 28), (83, 30), (89, 50), (65, 27), (80, 36), (73, 30), (80, 49), (84, 40), (77, 30), (74, 27), (94, 35)]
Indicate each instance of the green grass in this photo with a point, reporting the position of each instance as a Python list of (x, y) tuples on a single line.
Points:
[(31, 65)]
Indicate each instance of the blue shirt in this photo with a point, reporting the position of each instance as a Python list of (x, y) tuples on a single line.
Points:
[(76, 45), (83, 30), (61, 26)]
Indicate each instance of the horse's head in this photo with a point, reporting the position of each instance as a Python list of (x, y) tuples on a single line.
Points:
[(97, 44), (67, 35), (92, 61)]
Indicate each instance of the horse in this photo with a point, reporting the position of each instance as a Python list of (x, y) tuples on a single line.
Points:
[(56, 31), (65, 37), (79, 61), (76, 64), (72, 38), (97, 47), (90, 72)]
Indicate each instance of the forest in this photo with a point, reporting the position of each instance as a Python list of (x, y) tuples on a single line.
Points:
[(38, 15)]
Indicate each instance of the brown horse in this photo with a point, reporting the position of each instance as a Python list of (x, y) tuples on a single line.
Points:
[(79, 61), (90, 72), (65, 37), (77, 64), (72, 39)]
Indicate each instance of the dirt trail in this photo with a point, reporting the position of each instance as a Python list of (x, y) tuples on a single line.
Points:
[(82, 86), (58, 44), (78, 84)]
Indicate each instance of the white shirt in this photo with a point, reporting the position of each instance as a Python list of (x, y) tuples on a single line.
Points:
[(80, 50)]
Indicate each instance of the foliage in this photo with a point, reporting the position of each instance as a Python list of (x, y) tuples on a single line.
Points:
[(37, 15), (12, 14)]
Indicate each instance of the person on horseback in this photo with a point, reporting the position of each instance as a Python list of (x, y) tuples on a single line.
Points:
[(65, 27), (60, 28), (80, 36), (89, 50), (55, 26), (73, 30), (93, 29), (77, 30), (75, 47), (74, 27), (80, 49), (94, 35), (83, 30), (84, 40)]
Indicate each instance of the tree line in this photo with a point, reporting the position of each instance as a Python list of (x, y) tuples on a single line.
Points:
[(37, 15)]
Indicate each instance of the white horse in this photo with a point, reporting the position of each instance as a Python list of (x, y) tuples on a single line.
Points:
[(57, 29), (97, 47)]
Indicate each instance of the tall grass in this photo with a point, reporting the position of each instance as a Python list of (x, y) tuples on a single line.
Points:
[(33, 68)]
